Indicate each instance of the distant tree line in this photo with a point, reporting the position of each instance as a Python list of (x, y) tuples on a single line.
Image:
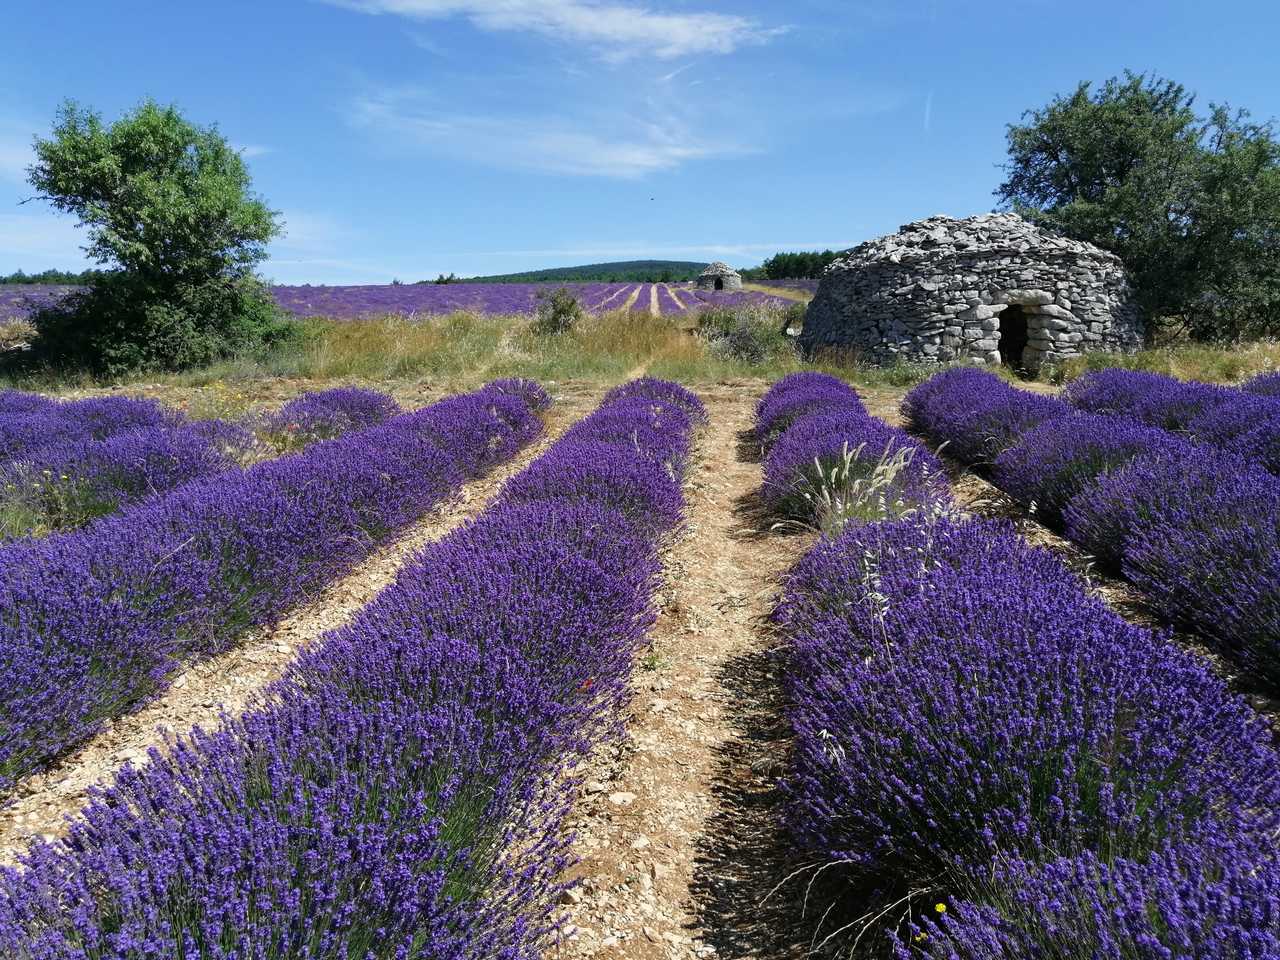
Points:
[(803, 265), (53, 276), (629, 271)]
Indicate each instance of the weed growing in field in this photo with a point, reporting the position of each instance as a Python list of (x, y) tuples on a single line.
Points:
[(558, 312), (851, 487)]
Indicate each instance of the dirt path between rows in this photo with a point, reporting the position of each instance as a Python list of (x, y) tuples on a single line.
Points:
[(678, 824), (202, 692)]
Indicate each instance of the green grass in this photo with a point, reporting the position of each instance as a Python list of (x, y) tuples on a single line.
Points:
[(461, 350), (1228, 364)]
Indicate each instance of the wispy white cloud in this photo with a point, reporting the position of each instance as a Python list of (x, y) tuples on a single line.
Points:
[(616, 30), (619, 147), (251, 150), (668, 77)]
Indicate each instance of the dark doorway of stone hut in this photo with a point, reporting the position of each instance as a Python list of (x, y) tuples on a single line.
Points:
[(719, 283), (1013, 336)]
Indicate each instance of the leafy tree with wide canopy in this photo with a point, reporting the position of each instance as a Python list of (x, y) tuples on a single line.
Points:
[(1190, 203), (168, 207)]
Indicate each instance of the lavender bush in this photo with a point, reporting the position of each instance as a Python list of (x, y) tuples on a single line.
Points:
[(1264, 384), (1200, 537), (1053, 462), (975, 413), (28, 426), (327, 414), (1209, 900), (797, 394), (402, 792), (1150, 398), (1247, 426), (960, 701), (69, 484), (1192, 526), (429, 299), (839, 449), (94, 621)]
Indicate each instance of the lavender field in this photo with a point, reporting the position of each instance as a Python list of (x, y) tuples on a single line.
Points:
[(964, 716), (429, 299)]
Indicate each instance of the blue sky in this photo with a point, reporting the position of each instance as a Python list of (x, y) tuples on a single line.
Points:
[(404, 138)]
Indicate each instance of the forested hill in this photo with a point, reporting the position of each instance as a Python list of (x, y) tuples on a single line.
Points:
[(632, 271)]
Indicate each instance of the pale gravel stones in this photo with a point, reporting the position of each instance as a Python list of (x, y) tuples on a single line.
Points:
[(937, 289)]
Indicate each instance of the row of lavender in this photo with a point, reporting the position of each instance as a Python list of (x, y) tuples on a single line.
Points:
[(994, 762), (65, 464), (1195, 527), (1243, 421), (95, 621), (402, 791), (430, 299)]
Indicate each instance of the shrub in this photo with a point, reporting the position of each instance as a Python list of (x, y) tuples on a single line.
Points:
[(558, 312), (67, 485), (976, 414), (327, 414), (838, 464), (750, 334), (94, 621), (1264, 384), (1202, 541), (1150, 398), (650, 388), (1246, 425), (168, 205), (404, 790), (959, 700), (1052, 463), (798, 394), (1212, 900)]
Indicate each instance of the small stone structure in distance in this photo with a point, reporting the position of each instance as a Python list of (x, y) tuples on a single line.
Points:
[(719, 276), (992, 288)]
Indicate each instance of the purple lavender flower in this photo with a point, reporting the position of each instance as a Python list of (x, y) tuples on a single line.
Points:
[(975, 413), (327, 414), (804, 456), (403, 791), (959, 700), (1150, 398), (93, 622), (797, 394), (1212, 900), (1053, 462), (70, 484), (1264, 384)]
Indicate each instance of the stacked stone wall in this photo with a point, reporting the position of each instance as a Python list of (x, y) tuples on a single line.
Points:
[(935, 292)]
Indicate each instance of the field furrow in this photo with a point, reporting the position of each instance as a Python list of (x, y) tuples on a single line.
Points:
[(675, 824)]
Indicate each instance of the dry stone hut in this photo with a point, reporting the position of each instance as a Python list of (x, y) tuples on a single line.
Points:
[(719, 276), (992, 289)]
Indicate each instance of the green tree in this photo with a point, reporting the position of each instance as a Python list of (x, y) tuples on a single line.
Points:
[(167, 207), (797, 266), (1190, 203)]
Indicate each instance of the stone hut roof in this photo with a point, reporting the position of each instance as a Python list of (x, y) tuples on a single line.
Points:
[(995, 234), (719, 269)]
